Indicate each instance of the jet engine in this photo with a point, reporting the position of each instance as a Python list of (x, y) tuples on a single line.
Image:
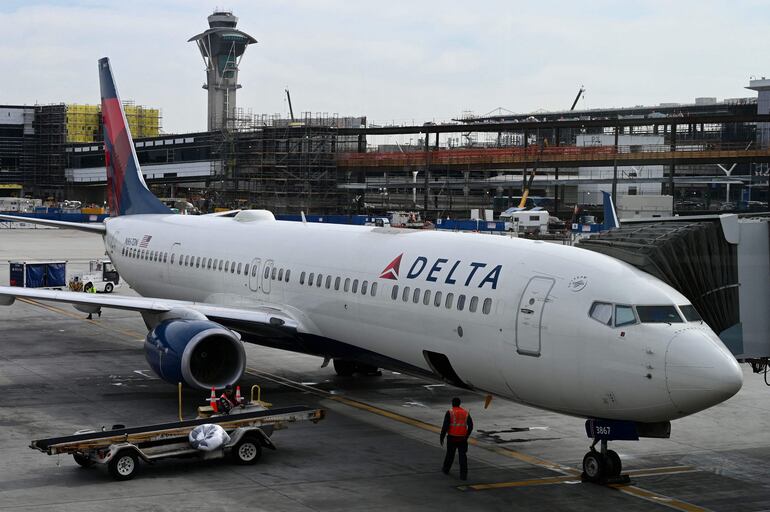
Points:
[(200, 353)]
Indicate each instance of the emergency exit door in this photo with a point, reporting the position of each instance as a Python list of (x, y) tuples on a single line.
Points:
[(529, 316)]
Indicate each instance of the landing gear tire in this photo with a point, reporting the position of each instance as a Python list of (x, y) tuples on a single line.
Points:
[(594, 466), (247, 451), (123, 465), (108, 288), (344, 368), (82, 460), (614, 466)]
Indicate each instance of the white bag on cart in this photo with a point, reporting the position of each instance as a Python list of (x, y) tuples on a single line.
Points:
[(208, 437)]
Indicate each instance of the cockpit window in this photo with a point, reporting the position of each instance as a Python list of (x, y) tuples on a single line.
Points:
[(690, 313), (601, 312), (624, 315), (658, 314)]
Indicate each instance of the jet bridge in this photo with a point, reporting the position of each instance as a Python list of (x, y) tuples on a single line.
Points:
[(720, 262)]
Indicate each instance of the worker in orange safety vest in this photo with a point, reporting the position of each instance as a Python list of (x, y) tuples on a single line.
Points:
[(457, 428)]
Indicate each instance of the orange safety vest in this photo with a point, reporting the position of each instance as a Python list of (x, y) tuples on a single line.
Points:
[(458, 422)]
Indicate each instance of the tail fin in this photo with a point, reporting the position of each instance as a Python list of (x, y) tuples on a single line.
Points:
[(127, 192), (610, 215)]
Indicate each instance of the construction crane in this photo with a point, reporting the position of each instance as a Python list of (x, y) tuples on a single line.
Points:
[(291, 110), (574, 103)]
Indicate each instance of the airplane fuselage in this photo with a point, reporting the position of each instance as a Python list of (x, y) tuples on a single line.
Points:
[(510, 316)]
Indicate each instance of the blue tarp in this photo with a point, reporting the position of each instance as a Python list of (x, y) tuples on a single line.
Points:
[(35, 276), (56, 274)]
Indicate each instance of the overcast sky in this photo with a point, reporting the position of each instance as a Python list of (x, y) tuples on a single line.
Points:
[(392, 61)]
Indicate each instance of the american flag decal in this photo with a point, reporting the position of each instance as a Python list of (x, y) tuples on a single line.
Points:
[(145, 241)]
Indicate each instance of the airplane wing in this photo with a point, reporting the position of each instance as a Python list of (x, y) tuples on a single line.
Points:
[(267, 316), (99, 228)]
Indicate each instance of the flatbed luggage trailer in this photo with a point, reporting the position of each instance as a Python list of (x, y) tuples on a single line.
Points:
[(122, 448)]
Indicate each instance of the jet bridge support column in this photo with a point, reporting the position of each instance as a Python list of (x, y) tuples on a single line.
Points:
[(615, 171), (673, 167)]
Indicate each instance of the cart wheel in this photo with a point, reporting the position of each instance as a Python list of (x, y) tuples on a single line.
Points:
[(123, 465), (82, 460), (88, 287), (108, 288), (247, 451)]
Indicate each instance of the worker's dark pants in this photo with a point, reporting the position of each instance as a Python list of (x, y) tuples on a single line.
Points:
[(460, 444)]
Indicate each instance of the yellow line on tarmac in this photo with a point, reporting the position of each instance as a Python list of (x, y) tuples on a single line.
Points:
[(669, 470), (519, 483), (661, 499)]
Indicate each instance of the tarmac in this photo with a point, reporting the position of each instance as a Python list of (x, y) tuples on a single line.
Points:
[(377, 449)]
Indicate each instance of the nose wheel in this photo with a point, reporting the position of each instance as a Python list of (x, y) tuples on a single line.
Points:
[(603, 465)]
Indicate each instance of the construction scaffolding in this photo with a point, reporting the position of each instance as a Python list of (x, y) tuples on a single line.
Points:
[(84, 122), (283, 165)]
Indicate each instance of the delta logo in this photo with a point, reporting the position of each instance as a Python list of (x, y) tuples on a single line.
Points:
[(447, 271)]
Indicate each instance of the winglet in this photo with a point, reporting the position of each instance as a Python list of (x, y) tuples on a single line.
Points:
[(610, 215), (127, 193)]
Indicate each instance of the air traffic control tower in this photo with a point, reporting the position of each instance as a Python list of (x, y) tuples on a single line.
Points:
[(222, 47)]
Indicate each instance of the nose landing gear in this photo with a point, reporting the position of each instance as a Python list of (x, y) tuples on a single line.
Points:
[(602, 466)]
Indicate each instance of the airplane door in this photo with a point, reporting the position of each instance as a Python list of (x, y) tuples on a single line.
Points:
[(173, 261), (266, 276), (530, 315), (255, 274)]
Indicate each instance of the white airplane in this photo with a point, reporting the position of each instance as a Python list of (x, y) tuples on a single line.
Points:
[(551, 326)]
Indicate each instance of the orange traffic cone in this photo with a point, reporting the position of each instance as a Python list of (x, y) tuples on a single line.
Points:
[(238, 399), (213, 400)]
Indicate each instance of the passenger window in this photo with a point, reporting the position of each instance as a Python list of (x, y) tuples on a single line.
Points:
[(460, 302), (172, 257), (347, 283), (416, 296), (337, 283), (280, 275), (286, 276), (302, 278), (310, 279), (437, 299), (474, 304), (364, 287), (487, 307), (405, 295), (450, 297), (273, 273), (198, 262), (232, 267), (394, 292), (216, 260), (208, 264), (426, 298), (374, 289), (355, 286), (220, 265), (318, 280), (601, 312), (254, 271), (624, 315), (328, 282), (690, 313), (658, 314), (239, 268)]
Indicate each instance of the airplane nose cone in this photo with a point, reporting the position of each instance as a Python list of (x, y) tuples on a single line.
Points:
[(700, 372)]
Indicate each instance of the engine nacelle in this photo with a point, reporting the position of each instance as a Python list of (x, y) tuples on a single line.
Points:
[(200, 353)]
